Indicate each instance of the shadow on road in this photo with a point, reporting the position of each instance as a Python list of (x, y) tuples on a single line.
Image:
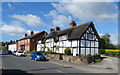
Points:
[(103, 57), (14, 72)]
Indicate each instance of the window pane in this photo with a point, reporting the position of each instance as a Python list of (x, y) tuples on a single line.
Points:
[(87, 51), (92, 43), (87, 43), (83, 43), (96, 44), (82, 50), (96, 50), (92, 51)]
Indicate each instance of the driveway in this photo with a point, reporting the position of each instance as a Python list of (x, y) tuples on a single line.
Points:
[(109, 63)]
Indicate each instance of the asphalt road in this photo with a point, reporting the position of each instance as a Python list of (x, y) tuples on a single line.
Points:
[(23, 65)]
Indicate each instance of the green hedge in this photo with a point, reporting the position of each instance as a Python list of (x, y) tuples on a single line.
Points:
[(113, 54), (101, 51)]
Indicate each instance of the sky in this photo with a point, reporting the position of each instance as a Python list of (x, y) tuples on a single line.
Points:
[(19, 18)]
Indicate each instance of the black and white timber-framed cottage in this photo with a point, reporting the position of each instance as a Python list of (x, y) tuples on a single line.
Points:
[(81, 39)]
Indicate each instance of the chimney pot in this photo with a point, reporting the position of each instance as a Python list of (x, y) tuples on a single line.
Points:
[(51, 30), (11, 41), (72, 21), (72, 24), (32, 32), (25, 35), (57, 28)]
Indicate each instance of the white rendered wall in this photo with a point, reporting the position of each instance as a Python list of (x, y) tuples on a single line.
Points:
[(12, 47)]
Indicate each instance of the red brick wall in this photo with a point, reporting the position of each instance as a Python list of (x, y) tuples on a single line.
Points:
[(31, 43)]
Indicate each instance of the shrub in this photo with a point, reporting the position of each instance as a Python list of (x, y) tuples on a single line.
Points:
[(67, 51), (31, 51), (102, 51), (88, 55), (98, 60), (49, 51), (42, 51), (53, 52)]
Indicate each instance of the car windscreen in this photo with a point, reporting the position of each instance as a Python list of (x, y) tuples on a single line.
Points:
[(20, 52), (38, 53)]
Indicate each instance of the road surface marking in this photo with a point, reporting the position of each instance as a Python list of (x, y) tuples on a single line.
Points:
[(59, 64), (59, 71)]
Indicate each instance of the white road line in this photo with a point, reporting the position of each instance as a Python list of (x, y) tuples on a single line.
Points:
[(59, 71)]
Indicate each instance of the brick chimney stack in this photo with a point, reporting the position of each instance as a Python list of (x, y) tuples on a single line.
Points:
[(32, 33), (72, 24), (11, 41), (25, 35), (57, 28), (52, 30), (16, 40)]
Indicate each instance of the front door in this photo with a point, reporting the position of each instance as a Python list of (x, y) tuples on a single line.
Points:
[(23, 48)]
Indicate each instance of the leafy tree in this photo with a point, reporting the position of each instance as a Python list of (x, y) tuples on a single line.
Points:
[(102, 43), (105, 42)]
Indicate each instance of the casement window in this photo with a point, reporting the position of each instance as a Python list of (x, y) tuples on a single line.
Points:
[(63, 37)]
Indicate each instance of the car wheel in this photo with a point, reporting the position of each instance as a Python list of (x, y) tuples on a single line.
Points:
[(35, 59), (30, 58)]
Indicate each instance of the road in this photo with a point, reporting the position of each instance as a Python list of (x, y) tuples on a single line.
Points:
[(14, 64)]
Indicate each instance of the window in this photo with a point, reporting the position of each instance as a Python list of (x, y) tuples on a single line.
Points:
[(96, 44), (82, 42), (87, 43), (82, 50), (92, 51), (92, 43), (88, 36), (96, 50), (87, 51)]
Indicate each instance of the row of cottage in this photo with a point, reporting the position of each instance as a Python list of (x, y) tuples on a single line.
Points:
[(81, 39)]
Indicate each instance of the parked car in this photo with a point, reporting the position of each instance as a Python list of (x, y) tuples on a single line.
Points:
[(20, 53), (14, 52), (4, 52), (37, 56)]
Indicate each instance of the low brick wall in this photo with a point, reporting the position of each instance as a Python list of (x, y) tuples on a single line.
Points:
[(74, 59), (53, 56)]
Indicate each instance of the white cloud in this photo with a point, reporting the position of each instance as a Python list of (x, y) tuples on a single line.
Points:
[(97, 11), (10, 5), (29, 19), (114, 39), (100, 34), (14, 28), (59, 20)]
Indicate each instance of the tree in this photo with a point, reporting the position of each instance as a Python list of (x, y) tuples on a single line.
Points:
[(105, 42), (102, 43)]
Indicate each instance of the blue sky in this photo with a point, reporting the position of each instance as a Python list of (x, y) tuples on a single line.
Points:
[(22, 17)]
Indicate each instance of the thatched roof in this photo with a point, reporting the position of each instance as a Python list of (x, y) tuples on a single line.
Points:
[(73, 33)]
